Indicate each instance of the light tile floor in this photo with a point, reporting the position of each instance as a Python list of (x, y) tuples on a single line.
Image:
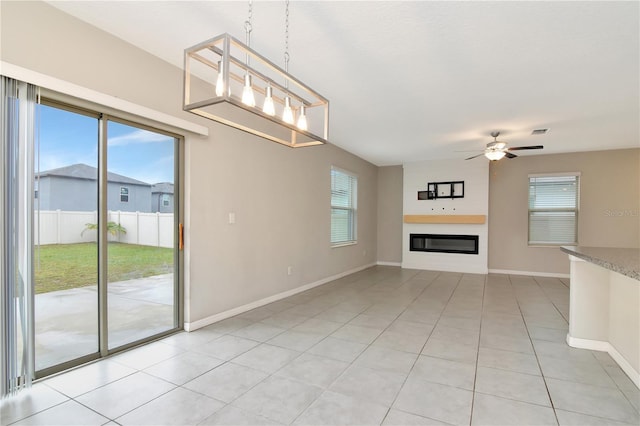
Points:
[(382, 346)]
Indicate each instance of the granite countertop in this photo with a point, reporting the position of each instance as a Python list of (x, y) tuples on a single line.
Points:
[(625, 261)]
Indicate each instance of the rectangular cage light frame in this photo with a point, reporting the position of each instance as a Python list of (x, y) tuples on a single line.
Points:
[(202, 64)]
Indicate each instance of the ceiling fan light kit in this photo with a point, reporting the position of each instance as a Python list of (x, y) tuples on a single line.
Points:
[(494, 155), (227, 81)]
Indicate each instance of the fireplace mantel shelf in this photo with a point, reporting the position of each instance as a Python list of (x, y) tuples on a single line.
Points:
[(475, 219)]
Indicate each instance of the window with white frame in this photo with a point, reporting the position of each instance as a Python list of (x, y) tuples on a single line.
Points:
[(344, 193), (554, 201), (124, 194), (165, 200)]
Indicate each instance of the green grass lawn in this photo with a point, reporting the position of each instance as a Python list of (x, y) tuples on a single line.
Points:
[(65, 266)]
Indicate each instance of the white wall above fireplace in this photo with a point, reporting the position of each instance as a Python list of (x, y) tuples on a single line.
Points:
[(475, 174)]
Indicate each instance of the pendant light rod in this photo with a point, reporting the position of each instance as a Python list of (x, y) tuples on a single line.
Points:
[(286, 42), (288, 116), (248, 97), (247, 29)]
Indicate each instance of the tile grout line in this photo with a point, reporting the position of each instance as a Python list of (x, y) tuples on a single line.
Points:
[(475, 376), (421, 349), (550, 299), (535, 352)]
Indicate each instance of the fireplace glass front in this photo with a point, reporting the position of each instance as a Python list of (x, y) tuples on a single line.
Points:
[(439, 243)]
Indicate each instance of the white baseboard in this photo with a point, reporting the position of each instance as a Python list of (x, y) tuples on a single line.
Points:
[(529, 273), (191, 326), (593, 345), (459, 268), (599, 345), (381, 263)]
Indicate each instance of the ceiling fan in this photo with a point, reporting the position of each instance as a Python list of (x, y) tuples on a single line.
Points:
[(496, 150)]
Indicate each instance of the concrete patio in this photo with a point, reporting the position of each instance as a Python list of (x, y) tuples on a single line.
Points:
[(66, 322)]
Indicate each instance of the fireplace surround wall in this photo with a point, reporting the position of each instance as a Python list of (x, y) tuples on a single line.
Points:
[(461, 216)]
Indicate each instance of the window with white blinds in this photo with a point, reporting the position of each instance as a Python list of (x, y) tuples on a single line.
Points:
[(553, 209), (344, 188)]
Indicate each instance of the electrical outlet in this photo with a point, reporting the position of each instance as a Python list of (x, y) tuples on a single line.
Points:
[(289, 270)]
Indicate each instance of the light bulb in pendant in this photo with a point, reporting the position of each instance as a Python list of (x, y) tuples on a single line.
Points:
[(220, 81), (302, 120), (268, 107), (287, 115), (248, 97)]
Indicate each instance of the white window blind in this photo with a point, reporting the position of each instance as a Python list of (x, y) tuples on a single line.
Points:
[(553, 209), (343, 207), (18, 119)]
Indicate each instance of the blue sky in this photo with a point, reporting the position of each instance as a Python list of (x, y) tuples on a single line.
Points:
[(68, 138)]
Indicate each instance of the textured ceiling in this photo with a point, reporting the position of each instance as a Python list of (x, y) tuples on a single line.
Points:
[(411, 81)]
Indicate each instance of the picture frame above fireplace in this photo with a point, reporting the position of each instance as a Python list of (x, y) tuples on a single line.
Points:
[(435, 190)]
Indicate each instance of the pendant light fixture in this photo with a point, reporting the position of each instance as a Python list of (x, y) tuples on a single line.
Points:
[(269, 107), (302, 118), (287, 114), (290, 112), (220, 81)]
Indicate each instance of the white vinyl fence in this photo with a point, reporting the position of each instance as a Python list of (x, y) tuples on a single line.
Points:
[(69, 227)]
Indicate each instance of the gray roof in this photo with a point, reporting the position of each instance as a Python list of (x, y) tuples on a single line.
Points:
[(162, 187), (84, 171)]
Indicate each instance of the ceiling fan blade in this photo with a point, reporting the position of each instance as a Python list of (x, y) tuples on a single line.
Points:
[(509, 155), (475, 156), (515, 148)]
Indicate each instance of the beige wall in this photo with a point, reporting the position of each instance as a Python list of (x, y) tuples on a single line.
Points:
[(280, 196), (390, 214), (609, 206)]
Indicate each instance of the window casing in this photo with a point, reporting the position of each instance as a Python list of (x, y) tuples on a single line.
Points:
[(554, 201), (165, 200), (344, 194)]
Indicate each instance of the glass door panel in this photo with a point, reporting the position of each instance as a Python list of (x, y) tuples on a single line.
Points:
[(141, 224), (65, 259)]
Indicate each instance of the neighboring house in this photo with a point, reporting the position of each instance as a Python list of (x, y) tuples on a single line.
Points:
[(74, 188), (162, 197)]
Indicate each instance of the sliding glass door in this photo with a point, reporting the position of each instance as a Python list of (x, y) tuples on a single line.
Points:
[(105, 220), (141, 223), (65, 237)]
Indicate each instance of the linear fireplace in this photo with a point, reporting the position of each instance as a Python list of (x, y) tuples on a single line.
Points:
[(440, 243)]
